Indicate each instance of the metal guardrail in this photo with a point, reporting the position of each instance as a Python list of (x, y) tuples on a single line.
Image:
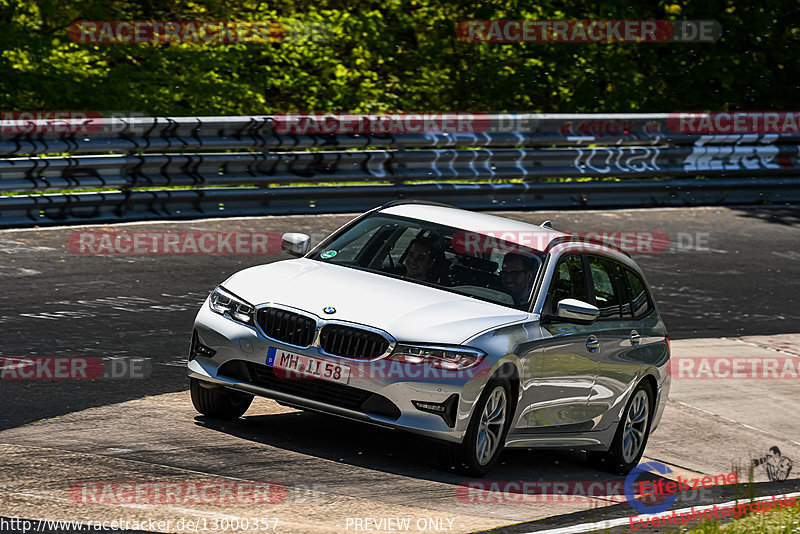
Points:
[(610, 160)]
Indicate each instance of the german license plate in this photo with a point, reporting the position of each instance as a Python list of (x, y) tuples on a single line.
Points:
[(300, 366)]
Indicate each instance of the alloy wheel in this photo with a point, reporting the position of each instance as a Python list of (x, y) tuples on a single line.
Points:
[(492, 422), (633, 434)]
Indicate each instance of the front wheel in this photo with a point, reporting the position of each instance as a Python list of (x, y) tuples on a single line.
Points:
[(630, 438), (486, 433), (219, 403)]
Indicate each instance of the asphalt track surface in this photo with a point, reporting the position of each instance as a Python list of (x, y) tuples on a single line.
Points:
[(726, 273), (743, 279)]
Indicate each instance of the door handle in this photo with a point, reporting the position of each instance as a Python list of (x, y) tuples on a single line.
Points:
[(592, 344), (635, 338)]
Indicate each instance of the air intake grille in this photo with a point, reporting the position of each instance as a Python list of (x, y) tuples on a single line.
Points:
[(286, 326), (349, 342), (318, 390), (323, 391)]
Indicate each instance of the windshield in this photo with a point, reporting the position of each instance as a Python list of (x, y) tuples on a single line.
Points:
[(425, 253)]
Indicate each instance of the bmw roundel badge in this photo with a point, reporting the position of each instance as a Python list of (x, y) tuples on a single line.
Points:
[(329, 309)]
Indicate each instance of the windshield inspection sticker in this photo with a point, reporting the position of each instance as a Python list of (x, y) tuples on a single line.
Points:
[(327, 254)]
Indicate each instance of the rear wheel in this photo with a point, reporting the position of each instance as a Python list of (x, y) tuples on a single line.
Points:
[(631, 436), (486, 433), (218, 402)]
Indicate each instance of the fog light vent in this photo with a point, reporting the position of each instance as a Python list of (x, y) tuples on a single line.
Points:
[(446, 410), (198, 349)]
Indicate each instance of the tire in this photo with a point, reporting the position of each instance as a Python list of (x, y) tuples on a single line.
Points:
[(490, 420), (630, 438), (219, 403)]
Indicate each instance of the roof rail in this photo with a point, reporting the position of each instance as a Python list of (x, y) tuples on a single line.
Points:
[(571, 239), (401, 201)]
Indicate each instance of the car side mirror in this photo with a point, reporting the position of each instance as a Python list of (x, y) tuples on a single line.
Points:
[(295, 244), (576, 311)]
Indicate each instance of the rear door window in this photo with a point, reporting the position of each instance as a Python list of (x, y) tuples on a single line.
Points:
[(606, 284), (641, 304)]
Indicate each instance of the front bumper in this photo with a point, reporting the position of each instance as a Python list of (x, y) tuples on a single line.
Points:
[(382, 392)]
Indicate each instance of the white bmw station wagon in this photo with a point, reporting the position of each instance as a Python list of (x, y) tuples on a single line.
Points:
[(478, 331)]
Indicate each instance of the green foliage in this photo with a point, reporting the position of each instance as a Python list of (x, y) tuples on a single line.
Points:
[(396, 55)]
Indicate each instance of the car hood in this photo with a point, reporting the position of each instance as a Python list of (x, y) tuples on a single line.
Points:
[(407, 311)]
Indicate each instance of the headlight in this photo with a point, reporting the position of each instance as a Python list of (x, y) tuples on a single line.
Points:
[(224, 302), (449, 358)]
